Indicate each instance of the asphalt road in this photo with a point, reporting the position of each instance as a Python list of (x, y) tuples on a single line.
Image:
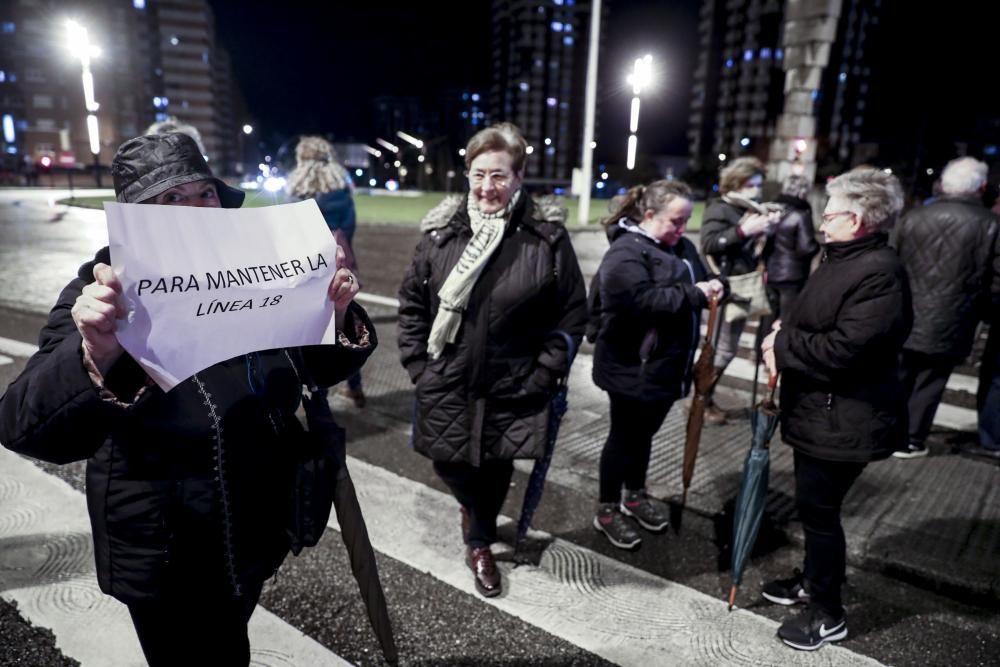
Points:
[(440, 623)]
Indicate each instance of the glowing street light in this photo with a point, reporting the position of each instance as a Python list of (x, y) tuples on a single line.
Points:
[(410, 139), (640, 79), (385, 144), (373, 151), (248, 129), (78, 44)]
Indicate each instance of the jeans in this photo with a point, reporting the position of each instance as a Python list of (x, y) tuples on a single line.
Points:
[(481, 491), (820, 488), (625, 458)]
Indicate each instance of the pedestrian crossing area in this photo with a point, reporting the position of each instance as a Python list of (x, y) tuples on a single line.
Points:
[(592, 601)]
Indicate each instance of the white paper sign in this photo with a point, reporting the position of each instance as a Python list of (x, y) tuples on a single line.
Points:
[(203, 285)]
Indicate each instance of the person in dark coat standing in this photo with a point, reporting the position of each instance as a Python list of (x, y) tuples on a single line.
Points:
[(494, 280), (951, 250), (732, 241), (842, 404), (187, 490), (653, 288), (318, 175), (790, 247)]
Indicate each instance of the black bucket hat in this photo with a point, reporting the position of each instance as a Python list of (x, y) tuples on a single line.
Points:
[(152, 164)]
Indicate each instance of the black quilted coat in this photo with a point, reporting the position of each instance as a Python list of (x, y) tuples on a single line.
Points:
[(838, 354), (200, 473), (487, 395), (951, 250), (650, 316)]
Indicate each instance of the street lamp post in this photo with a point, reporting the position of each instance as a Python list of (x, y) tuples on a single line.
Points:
[(241, 157), (640, 78), (81, 48)]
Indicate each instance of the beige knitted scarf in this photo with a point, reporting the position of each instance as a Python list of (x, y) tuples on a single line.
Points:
[(487, 232)]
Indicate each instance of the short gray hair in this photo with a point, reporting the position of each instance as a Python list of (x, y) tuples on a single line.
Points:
[(964, 176), (875, 195)]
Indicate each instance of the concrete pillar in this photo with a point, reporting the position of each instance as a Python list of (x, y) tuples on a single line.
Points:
[(809, 32)]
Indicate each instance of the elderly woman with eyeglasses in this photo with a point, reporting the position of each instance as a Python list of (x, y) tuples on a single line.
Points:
[(842, 403), (486, 311)]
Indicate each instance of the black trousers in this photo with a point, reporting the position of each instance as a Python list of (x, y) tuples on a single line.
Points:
[(924, 377), (481, 491), (190, 624), (820, 488), (625, 458), (988, 395), (782, 298)]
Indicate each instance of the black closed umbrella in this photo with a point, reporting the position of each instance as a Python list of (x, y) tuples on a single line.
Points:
[(360, 552)]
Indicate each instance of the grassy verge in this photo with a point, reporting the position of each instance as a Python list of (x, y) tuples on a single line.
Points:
[(399, 210)]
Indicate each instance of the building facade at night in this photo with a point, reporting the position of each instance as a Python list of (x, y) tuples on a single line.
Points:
[(772, 72), (156, 59), (540, 62)]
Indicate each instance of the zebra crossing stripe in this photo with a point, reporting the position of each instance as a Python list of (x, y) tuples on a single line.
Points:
[(47, 568), (619, 612)]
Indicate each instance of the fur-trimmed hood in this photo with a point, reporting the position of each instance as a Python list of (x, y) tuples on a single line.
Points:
[(546, 208)]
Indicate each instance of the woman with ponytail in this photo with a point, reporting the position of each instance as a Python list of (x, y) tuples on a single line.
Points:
[(652, 288)]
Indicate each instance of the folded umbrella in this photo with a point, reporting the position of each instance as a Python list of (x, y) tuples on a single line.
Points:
[(704, 379), (749, 509), (536, 482)]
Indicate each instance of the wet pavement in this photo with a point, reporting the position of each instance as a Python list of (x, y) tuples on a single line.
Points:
[(932, 522)]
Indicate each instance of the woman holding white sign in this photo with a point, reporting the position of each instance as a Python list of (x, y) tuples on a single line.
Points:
[(485, 312), (187, 489)]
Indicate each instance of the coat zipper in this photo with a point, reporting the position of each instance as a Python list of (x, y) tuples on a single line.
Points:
[(221, 482)]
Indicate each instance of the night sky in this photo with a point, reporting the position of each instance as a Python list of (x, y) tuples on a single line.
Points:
[(315, 67)]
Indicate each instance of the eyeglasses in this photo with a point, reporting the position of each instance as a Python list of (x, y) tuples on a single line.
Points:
[(827, 217), (497, 180)]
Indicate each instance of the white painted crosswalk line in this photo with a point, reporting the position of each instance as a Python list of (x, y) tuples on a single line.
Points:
[(5, 361), (621, 613), (47, 567)]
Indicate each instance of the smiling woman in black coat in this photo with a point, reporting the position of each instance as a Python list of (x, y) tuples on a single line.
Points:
[(842, 403), (652, 288)]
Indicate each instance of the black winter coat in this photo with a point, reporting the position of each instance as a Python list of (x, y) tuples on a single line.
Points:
[(487, 395), (720, 239), (205, 467), (650, 316), (951, 250), (838, 354), (792, 244)]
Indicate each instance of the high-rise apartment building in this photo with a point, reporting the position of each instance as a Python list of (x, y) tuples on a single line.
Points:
[(152, 59), (772, 72), (540, 56)]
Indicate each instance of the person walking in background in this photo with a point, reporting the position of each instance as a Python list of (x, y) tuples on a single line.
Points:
[(790, 247), (319, 175), (732, 237), (187, 490), (493, 286), (653, 288), (842, 404), (951, 251)]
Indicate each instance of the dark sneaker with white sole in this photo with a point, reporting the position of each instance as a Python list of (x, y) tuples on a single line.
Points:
[(812, 627), (650, 513), (912, 451), (787, 591), (616, 527)]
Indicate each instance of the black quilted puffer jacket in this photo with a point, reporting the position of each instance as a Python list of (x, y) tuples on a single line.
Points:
[(487, 395), (951, 250)]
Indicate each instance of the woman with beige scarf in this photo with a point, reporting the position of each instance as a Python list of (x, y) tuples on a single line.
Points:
[(493, 285)]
